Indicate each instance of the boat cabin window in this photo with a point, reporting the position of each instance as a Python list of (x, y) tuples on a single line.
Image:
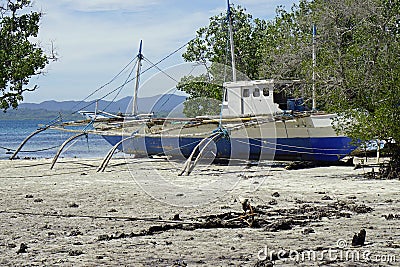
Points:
[(256, 92), (265, 91), (246, 92)]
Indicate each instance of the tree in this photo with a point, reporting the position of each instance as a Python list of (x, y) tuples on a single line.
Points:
[(365, 89), (20, 57), (212, 42), (205, 95), (211, 45), (358, 74)]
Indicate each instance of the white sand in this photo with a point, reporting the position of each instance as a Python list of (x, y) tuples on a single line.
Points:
[(152, 189)]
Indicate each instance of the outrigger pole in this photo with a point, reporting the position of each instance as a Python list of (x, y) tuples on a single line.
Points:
[(39, 130), (26, 140), (62, 147)]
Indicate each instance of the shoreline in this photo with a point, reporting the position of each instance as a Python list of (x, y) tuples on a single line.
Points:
[(73, 215)]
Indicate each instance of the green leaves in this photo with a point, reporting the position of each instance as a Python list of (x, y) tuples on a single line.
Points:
[(212, 42), (20, 58)]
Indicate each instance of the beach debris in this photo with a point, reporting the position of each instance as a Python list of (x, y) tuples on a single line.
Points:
[(246, 205), (179, 263), (113, 210), (38, 200), (357, 166), (307, 231), (51, 234), (391, 216), (351, 206), (177, 218), (73, 205), (103, 238), (29, 196), (326, 197), (273, 202), (285, 224), (264, 263), (360, 208), (298, 165), (276, 194), (75, 252), (75, 233), (22, 248), (268, 218), (359, 239), (11, 245)]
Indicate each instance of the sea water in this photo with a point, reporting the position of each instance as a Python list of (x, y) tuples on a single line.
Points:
[(45, 144)]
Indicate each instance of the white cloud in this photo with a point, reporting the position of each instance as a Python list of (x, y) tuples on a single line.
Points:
[(96, 38), (107, 5)]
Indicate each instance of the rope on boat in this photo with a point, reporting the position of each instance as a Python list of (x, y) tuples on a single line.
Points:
[(98, 89), (128, 80)]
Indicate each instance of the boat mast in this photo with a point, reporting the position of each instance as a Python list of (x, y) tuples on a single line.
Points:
[(314, 32), (139, 65), (231, 41)]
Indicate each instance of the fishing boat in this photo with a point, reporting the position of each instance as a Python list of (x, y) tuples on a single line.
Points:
[(252, 125), (256, 122)]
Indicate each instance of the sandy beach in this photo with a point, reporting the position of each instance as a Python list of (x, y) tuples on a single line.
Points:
[(139, 212)]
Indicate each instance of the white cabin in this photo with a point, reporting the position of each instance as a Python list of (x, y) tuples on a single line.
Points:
[(243, 98)]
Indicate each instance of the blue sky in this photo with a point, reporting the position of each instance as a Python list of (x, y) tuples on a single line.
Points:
[(95, 39)]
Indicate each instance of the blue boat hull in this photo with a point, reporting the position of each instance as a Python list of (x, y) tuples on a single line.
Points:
[(321, 149)]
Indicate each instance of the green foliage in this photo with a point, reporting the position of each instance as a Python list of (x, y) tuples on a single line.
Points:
[(200, 86), (201, 106), (205, 95), (358, 66), (358, 75), (212, 45), (20, 58), (212, 42)]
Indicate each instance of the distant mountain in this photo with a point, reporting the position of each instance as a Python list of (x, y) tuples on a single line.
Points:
[(161, 105), (158, 103)]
